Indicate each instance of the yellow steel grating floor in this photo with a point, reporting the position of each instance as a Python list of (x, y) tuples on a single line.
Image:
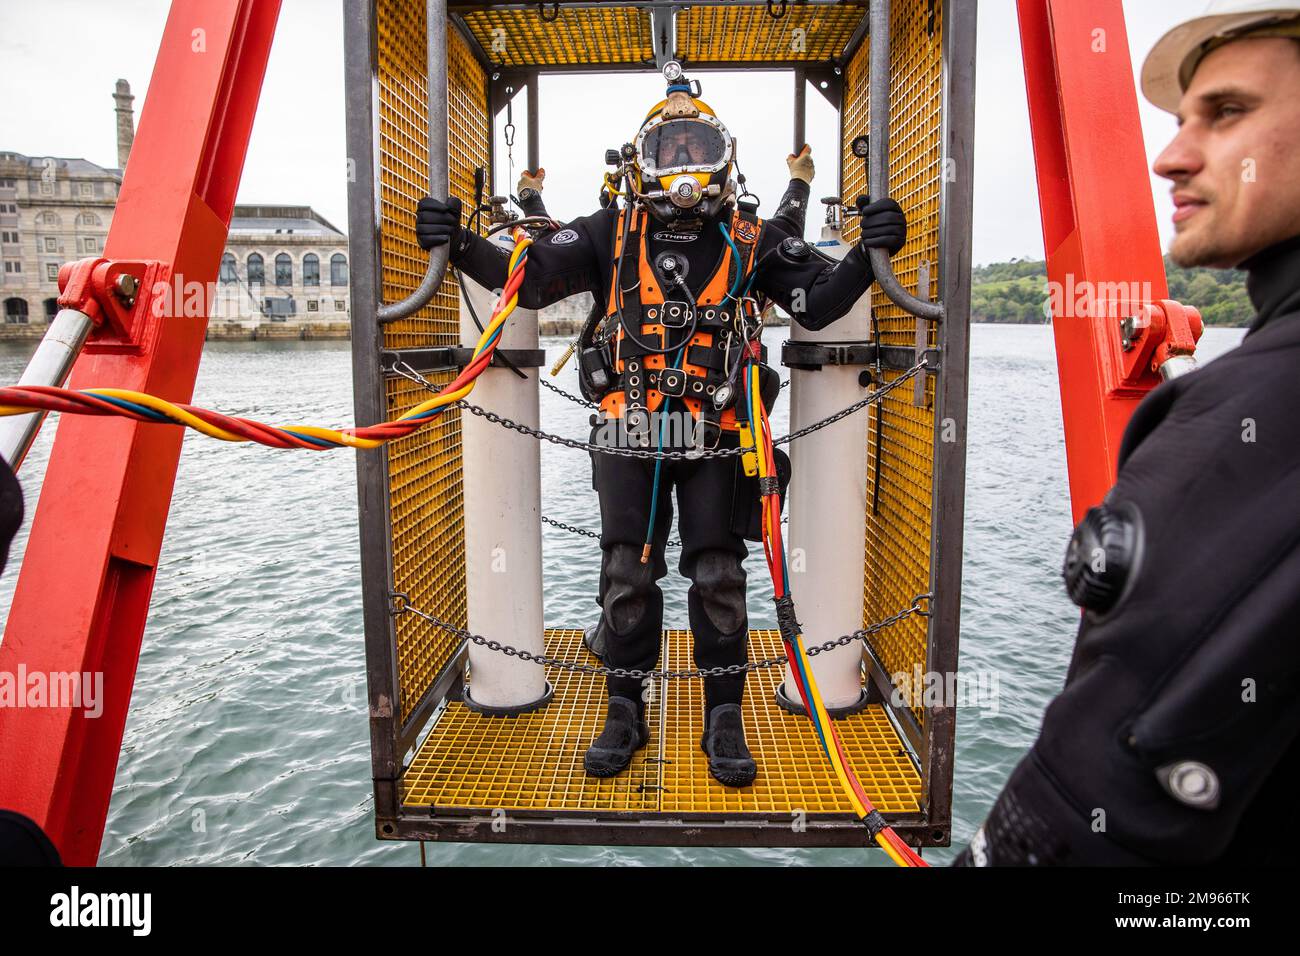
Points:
[(534, 761)]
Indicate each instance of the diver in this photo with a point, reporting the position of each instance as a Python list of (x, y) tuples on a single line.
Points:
[(792, 211), (678, 261), (1176, 740)]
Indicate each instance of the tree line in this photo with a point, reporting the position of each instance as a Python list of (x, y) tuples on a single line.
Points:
[(1016, 292)]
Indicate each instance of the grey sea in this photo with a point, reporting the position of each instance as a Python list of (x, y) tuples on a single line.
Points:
[(247, 740)]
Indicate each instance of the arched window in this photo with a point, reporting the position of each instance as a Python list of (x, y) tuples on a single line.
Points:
[(228, 273), (49, 218), (51, 309), (311, 269), (256, 269), (88, 219), (338, 269), (283, 269), (16, 311)]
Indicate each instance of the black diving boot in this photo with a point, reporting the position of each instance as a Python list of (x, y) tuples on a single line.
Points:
[(730, 762), (593, 636), (625, 733)]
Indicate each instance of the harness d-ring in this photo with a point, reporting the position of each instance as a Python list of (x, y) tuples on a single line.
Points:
[(555, 15), (776, 9)]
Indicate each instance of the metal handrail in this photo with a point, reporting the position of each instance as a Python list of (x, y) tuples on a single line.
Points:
[(436, 35), (50, 365), (878, 165)]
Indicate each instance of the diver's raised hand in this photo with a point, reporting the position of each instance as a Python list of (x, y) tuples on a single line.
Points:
[(801, 166), (530, 180), (437, 222), (883, 224)]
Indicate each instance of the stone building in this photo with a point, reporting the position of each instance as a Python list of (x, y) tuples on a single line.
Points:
[(284, 271), (283, 266), (52, 210)]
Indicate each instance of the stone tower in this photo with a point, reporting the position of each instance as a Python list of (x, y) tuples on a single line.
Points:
[(125, 121)]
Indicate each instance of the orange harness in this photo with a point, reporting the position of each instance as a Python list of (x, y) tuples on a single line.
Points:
[(644, 376)]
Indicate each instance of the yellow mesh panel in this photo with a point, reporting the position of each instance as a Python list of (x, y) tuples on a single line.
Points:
[(534, 761), (585, 36), (793, 774), (898, 511), (743, 34), (426, 503), (424, 469)]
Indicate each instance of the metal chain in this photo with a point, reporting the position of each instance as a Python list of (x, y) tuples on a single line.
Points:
[(568, 527), (402, 605), (672, 542), (693, 455), (576, 399)]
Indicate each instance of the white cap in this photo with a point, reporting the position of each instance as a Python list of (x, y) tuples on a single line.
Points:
[(1172, 61)]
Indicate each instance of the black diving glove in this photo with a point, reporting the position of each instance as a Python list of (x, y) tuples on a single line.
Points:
[(883, 224), (437, 222)]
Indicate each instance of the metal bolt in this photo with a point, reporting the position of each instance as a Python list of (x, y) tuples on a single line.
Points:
[(125, 285), (1129, 333)]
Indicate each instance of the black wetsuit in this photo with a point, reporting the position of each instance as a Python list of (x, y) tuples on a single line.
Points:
[(1199, 662), (578, 258)]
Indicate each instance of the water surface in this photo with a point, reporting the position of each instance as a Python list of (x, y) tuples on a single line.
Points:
[(247, 739)]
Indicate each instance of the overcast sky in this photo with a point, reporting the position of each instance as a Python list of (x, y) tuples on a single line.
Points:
[(62, 57)]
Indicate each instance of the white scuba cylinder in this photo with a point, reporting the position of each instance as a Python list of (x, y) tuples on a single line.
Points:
[(827, 502), (503, 503)]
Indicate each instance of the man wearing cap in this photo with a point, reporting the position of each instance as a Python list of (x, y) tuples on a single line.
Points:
[(1175, 740)]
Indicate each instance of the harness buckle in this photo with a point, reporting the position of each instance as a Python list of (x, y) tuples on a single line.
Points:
[(636, 425), (672, 382), (707, 433), (674, 315)]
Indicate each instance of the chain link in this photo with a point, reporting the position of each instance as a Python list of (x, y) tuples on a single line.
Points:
[(576, 399), (568, 527), (402, 605), (403, 369), (672, 542)]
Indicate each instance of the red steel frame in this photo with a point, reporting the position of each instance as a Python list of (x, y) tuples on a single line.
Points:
[(87, 577), (1099, 226)]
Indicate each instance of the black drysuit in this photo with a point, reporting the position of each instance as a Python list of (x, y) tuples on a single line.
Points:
[(578, 258), (1199, 662)]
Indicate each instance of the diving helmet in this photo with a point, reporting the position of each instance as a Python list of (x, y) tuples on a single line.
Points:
[(684, 155)]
